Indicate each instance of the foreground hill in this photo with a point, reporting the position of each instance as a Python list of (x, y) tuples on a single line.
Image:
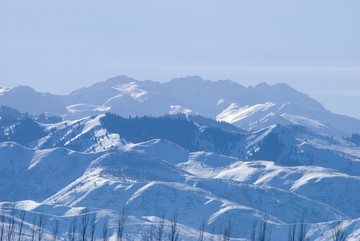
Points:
[(190, 167)]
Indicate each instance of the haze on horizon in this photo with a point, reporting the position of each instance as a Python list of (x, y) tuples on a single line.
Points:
[(60, 46)]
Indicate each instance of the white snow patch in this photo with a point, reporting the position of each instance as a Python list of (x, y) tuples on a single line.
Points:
[(252, 139), (38, 156), (238, 171), (79, 189), (133, 90), (177, 109), (140, 191), (27, 205), (235, 113), (302, 120), (102, 108), (92, 123), (315, 175), (220, 102), (283, 105), (5, 88), (80, 107), (267, 117), (111, 99), (75, 211)]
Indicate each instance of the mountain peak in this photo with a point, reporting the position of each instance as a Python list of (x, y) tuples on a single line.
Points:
[(188, 79), (6, 87), (262, 85), (283, 87), (277, 86), (119, 80), (109, 83)]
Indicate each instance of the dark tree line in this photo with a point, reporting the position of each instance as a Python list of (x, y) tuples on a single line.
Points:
[(177, 129)]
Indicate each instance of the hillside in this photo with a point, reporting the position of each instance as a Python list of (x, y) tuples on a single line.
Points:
[(203, 170)]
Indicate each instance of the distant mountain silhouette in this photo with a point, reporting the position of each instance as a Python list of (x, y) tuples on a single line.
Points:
[(250, 108)]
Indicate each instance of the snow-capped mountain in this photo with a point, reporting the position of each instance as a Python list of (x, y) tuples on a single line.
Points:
[(204, 155), (205, 171), (26, 99), (251, 108)]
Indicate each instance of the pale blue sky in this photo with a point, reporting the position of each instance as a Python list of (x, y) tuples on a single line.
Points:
[(62, 45)]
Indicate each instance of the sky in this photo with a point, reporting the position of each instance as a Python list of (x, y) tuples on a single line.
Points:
[(61, 45)]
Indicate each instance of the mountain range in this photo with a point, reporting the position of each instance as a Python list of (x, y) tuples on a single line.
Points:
[(250, 108), (211, 156)]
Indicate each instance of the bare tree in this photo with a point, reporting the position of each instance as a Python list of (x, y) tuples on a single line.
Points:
[(84, 223), (160, 228), (55, 232), (292, 231), (338, 233), (33, 231), (72, 229), (302, 228), (93, 227), (264, 233), (201, 230), (41, 226), (253, 230), (174, 232), (2, 220), (11, 225), (121, 224), (21, 225), (220, 236), (150, 234), (227, 232), (105, 230), (212, 233)]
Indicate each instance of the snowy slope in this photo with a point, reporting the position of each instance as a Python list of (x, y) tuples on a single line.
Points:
[(148, 186), (86, 135), (276, 154), (288, 145), (279, 172)]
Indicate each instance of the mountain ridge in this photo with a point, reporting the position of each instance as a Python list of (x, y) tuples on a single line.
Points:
[(107, 162), (192, 95)]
